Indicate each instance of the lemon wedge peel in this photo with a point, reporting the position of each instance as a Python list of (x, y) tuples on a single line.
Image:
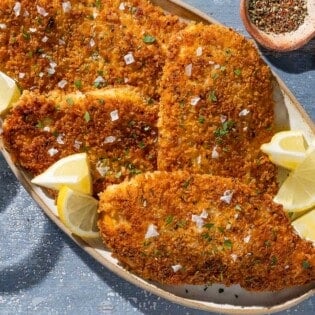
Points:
[(9, 93), (78, 212), (72, 171), (286, 148), (297, 193)]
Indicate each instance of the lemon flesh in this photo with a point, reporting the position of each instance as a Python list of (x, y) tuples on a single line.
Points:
[(297, 193), (9, 93), (72, 171), (78, 212), (305, 226), (286, 148)]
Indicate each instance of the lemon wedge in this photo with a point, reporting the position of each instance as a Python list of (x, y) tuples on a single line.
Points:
[(72, 171), (78, 212), (286, 148), (297, 192), (9, 92), (305, 226)]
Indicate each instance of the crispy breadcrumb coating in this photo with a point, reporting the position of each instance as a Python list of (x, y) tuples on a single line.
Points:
[(182, 228), (116, 127), (216, 107), (46, 45)]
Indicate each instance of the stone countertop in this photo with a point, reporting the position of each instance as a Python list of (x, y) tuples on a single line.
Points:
[(43, 272)]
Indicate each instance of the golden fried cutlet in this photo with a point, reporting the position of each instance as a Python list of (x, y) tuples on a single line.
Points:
[(89, 44), (116, 127), (216, 107), (182, 228)]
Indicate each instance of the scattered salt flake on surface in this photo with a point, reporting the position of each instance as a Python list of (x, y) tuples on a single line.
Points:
[(102, 169), (77, 144), (21, 75), (126, 80), (66, 6), (151, 231), (47, 129), (53, 64), (247, 239), (198, 159), (129, 58), (52, 151), (216, 66), (41, 74), (62, 83), (188, 70), (59, 139), (194, 100), (26, 13), (244, 112), (228, 226), (245, 128), (17, 8), (61, 42), (99, 80), (3, 26), (92, 42), (215, 153), (110, 139), (227, 196), (114, 115), (223, 118), (95, 14), (51, 71), (236, 215), (199, 219), (33, 29), (122, 6), (286, 267), (211, 62), (234, 257), (177, 267), (199, 51), (41, 11)]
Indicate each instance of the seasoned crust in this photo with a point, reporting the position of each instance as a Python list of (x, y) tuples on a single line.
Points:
[(248, 241), (216, 107), (117, 147), (87, 42)]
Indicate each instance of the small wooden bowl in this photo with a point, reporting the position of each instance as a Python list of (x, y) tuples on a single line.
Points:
[(284, 41)]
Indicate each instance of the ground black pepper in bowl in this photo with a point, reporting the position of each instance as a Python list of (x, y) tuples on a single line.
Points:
[(277, 16)]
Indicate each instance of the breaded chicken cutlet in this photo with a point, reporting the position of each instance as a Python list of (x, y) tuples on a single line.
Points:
[(85, 44), (216, 107), (181, 228), (114, 126)]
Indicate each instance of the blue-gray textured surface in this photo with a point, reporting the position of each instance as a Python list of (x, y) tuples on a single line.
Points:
[(44, 272)]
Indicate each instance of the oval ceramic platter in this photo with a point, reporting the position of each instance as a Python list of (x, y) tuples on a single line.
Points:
[(214, 298)]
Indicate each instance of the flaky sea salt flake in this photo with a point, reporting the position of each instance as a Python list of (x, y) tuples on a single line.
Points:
[(129, 58), (52, 151), (17, 8), (151, 231), (227, 196), (41, 11), (188, 70), (114, 115), (66, 6), (177, 267)]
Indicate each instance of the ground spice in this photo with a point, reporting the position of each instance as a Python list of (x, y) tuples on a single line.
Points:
[(277, 16)]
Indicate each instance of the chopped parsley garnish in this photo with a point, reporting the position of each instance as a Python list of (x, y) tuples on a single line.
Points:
[(78, 84), (306, 264), (148, 39), (206, 236), (141, 145), (201, 119), (132, 169), (26, 35), (238, 208), (238, 72), (224, 129), (273, 260), (87, 116), (169, 219), (227, 244), (70, 101), (212, 96), (214, 76), (208, 225), (186, 183), (98, 3)]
